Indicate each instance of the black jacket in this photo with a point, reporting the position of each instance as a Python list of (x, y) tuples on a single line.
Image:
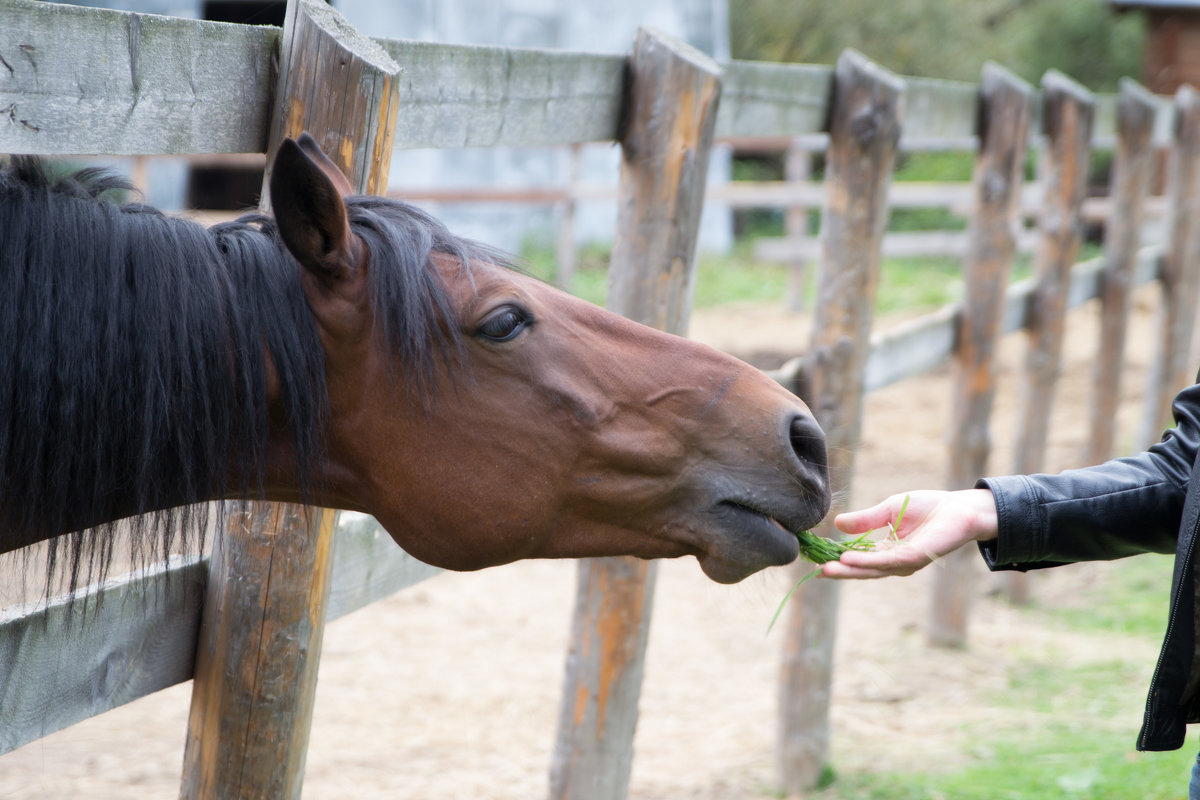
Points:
[(1149, 503)]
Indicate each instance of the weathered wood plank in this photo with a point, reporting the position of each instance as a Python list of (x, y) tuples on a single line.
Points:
[(456, 96), (1133, 165), (942, 111), (136, 634), (760, 99), (62, 662), (1068, 113), (665, 149), (864, 131), (992, 246), (211, 91), (82, 80), (269, 584)]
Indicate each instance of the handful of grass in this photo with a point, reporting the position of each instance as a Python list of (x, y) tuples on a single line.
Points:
[(819, 550)]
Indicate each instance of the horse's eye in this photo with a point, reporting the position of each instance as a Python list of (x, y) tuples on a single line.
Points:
[(504, 324)]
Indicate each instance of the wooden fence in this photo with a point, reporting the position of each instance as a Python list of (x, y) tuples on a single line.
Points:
[(76, 80)]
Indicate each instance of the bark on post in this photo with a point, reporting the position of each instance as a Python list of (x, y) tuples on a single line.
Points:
[(665, 150), (264, 614), (1173, 368), (864, 131), (1067, 113), (1005, 106), (1132, 166)]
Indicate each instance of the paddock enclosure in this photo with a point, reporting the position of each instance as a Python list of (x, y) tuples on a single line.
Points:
[(77, 81)]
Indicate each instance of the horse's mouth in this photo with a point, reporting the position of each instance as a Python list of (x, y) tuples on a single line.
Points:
[(749, 540)]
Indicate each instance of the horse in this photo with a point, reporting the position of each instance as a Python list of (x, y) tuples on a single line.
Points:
[(348, 351)]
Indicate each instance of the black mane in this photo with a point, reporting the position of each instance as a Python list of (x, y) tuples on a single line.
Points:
[(132, 373)]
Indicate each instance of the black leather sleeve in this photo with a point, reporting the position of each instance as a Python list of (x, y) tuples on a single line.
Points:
[(1116, 509)]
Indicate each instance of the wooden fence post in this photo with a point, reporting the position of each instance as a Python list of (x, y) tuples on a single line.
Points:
[(1005, 105), (1173, 369), (864, 131), (1132, 166), (665, 148), (1067, 113), (264, 612)]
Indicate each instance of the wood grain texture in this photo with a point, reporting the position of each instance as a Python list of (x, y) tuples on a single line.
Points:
[(673, 105), (992, 245), (760, 99), (257, 654), (342, 88), (269, 584), (136, 634), (456, 96), (1068, 115), (81, 80), (864, 133), (1068, 112), (62, 661), (1133, 164)]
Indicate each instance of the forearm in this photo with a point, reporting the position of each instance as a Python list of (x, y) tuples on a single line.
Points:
[(1116, 509)]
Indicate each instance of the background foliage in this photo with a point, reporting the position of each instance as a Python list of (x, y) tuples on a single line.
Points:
[(950, 39)]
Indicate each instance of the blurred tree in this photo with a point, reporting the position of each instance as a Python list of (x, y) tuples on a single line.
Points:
[(947, 38)]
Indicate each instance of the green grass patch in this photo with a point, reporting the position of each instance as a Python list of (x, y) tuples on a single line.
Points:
[(1056, 763), (1130, 598), (1075, 735), (732, 278)]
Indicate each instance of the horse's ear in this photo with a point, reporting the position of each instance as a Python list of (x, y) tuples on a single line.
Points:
[(313, 150), (307, 203)]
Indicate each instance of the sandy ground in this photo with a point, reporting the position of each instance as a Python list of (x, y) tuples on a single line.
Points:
[(451, 689)]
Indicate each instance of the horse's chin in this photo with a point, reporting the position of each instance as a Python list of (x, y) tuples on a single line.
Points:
[(746, 542)]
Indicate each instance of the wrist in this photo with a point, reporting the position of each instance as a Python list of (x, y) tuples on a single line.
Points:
[(985, 522)]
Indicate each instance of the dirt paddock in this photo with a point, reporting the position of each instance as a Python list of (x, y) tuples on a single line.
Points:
[(451, 689)]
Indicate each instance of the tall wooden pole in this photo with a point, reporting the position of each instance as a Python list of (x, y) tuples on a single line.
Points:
[(264, 612), (1173, 368), (1133, 165), (1005, 109), (863, 133), (665, 148), (1068, 112)]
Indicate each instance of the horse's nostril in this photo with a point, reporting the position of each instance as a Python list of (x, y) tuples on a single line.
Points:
[(808, 441)]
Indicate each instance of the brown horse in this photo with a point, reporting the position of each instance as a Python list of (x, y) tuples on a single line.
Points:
[(352, 353)]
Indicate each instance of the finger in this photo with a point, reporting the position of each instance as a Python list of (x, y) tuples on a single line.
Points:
[(840, 571), (900, 560), (867, 519)]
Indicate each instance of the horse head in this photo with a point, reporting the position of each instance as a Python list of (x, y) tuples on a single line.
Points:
[(546, 426)]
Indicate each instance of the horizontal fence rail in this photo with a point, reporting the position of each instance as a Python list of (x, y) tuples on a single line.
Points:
[(136, 634), (211, 84)]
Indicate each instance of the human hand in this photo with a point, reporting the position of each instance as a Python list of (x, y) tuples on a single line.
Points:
[(934, 524)]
